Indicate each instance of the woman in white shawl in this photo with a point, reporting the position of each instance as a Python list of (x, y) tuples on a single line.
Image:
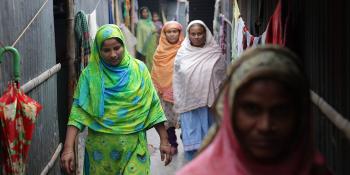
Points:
[(199, 70)]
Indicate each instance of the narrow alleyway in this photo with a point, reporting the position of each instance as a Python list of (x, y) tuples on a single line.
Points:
[(56, 40), (157, 166)]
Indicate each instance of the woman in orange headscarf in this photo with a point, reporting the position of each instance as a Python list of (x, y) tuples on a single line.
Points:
[(162, 73)]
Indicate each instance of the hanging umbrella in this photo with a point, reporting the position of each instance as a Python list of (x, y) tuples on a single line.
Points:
[(18, 113)]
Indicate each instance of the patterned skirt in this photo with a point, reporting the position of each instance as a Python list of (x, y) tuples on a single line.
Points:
[(116, 154)]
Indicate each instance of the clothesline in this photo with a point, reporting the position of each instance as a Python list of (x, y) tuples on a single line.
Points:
[(31, 21), (98, 3)]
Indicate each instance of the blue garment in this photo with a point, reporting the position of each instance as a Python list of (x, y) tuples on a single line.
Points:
[(189, 155), (195, 125), (110, 13)]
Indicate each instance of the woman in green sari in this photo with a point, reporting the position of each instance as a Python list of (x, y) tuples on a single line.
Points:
[(147, 36), (116, 100)]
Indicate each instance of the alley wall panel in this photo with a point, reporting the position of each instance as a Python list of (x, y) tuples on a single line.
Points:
[(37, 50)]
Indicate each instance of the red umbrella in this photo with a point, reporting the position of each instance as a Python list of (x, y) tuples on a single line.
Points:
[(18, 113)]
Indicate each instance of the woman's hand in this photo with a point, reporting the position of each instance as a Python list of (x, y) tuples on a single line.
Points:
[(68, 160), (165, 152), (67, 156), (165, 147)]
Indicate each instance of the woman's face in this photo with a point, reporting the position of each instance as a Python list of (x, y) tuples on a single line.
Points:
[(155, 17), (172, 35), (112, 51), (265, 120), (144, 13), (197, 35)]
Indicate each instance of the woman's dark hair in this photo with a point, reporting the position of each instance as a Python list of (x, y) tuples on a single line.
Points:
[(118, 39)]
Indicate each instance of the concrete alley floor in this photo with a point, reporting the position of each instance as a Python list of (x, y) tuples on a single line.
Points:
[(157, 166)]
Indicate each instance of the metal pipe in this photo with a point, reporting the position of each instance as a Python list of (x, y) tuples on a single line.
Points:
[(41, 78), (336, 118), (52, 160)]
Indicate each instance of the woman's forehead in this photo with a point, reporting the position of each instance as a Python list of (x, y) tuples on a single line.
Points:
[(171, 28), (196, 28)]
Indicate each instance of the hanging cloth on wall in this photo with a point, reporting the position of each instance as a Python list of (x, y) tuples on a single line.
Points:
[(244, 39), (134, 11), (216, 21), (110, 13), (236, 15), (82, 38), (275, 30), (92, 24), (126, 12), (118, 12)]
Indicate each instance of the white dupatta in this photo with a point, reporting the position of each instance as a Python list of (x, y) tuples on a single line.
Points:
[(198, 73)]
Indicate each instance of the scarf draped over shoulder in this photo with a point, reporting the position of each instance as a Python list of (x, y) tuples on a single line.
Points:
[(198, 73), (163, 62), (115, 99)]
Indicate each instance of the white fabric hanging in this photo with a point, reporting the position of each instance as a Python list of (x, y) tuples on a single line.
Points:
[(92, 24)]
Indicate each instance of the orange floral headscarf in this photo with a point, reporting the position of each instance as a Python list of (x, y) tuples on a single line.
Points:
[(163, 62)]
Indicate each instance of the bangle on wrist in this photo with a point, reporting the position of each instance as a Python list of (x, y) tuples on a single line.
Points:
[(168, 144), (65, 153)]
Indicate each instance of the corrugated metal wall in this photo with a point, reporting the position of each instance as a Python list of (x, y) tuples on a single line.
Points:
[(37, 49), (202, 10), (320, 34), (323, 37)]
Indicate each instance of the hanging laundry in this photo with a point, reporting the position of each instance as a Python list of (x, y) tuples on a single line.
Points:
[(126, 12), (244, 39), (116, 12), (82, 38), (275, 29), (92, 25), (223, 34), (216, 21), (134, 12), (110, 12), (236, 15)]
